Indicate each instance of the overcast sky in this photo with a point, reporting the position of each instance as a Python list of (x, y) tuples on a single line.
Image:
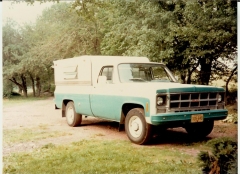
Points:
[(21, 12)]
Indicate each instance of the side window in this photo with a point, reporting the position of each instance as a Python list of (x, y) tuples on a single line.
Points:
[(160, 74), (107, 71)]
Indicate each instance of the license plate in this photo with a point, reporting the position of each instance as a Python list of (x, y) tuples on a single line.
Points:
[(197, 118)]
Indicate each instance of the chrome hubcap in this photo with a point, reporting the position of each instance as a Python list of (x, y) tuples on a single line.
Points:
[(135, 126), (70, 115)]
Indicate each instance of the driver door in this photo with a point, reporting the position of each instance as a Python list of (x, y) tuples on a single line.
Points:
[(104, 99)]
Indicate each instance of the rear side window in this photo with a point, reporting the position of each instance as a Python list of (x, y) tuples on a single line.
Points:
[(107, 71)]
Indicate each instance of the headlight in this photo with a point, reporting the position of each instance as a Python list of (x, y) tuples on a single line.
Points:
[(219, 98), (160, 101)]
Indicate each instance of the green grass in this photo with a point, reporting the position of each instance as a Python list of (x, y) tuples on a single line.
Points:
[(95, 156), (21, 135), (20, 99)]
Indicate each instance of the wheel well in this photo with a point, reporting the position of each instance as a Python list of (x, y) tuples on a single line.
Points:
[(64, 104), (128, 106)]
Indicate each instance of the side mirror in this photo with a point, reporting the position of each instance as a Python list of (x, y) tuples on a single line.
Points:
[(102, 80)]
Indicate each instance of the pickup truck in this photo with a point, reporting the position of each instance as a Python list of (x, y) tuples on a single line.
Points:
[(135, 92)]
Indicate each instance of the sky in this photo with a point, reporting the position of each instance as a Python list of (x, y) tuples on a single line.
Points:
[(22, 12)]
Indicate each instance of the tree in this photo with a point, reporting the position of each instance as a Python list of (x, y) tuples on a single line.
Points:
[(183, 34), (206, 31), (132, 29), (30, 50), (189, 36), (12, 51)]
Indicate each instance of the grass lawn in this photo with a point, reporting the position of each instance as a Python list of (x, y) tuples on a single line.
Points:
[(95, 156), (11, 136), (21, 100)]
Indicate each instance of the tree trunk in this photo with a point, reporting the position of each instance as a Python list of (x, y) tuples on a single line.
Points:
[(20, 89), (33, 85), (38, 86), (25, 93), (205, 71), (189, 78), (24, 85), (96, 43), (183, 77), (229, 78)]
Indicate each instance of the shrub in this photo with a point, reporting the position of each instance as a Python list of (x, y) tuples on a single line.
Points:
[(231, 118), (48, 89), (222, 159), (232, 96), (7, 88)]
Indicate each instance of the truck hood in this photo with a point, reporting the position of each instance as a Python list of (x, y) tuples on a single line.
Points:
[(179, 88), (167, 87)]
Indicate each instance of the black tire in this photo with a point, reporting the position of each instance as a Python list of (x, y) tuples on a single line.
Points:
[(136, 127), (73, 119), (200, 130)]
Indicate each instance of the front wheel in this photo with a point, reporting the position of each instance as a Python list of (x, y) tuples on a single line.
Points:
[(200, 129), (137, 129), (73, 118)]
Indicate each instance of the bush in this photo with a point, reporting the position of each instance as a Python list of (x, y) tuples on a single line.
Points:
[(232, 96), (222, 159), (7, 88), (48, 88), (15, 94), (231, 118)]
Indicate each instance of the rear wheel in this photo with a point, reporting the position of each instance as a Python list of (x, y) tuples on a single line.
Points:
[(200, 129), (137, 129), (73, 119)]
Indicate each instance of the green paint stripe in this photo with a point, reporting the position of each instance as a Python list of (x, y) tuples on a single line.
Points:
[(181, 90), (186, 116), (209, 89)]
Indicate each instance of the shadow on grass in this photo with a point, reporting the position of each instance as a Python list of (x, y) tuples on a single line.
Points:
[(173, 136), (105, 124), (176, 136)]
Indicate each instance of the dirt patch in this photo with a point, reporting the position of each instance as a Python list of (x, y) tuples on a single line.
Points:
[(38, 114)]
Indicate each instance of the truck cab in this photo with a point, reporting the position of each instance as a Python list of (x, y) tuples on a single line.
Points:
[(135, 92)]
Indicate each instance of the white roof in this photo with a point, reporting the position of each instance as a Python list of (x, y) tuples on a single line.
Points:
[(106, 59)]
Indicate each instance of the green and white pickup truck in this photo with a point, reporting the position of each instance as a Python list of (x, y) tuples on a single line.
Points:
[(135, 92)]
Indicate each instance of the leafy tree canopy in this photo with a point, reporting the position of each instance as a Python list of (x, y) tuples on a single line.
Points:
[(191, 37)]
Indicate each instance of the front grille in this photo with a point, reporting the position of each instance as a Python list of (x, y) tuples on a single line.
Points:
[(193, 101), (194, 110)]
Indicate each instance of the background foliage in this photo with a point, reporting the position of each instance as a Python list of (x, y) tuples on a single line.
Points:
[(194, 38), (222, 158)]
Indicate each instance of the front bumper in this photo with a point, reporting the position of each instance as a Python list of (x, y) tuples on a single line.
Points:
[(185, 117)]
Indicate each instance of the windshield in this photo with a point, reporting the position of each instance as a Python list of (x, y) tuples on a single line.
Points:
[(142, 72)]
